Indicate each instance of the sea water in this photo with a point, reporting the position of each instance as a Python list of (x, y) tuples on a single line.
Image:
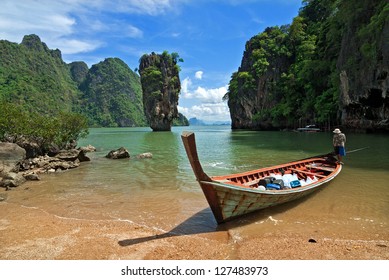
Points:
[(161, 193)]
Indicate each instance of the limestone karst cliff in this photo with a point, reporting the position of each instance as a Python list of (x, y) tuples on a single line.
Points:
[(161, 87), (32, 75), (363, 64), (330, 66)]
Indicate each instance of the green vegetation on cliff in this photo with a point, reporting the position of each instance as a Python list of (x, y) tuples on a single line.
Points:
[(161, 88), (290, 75), (112, 95), (37, 79)]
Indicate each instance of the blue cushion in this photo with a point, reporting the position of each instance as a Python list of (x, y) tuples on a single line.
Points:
[(273, 187)]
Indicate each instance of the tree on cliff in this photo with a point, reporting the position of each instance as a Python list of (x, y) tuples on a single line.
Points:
[(329, 66), (161, 88)]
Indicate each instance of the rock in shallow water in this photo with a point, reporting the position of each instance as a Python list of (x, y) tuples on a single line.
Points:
[(118, 154)]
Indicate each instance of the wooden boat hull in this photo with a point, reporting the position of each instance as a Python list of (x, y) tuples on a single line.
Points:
[(233, 201), (231, 196)]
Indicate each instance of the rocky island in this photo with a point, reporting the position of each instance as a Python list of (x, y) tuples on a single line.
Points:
[(161, 88)]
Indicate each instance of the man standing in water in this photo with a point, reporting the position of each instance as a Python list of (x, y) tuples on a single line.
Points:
[(339, 141)]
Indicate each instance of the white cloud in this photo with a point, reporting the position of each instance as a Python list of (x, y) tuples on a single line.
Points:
[(207, 112), (151, 7), (78, 26), (199, 75), (209, 104), (52, 21), (68, 24), (213, 95), (73, 46), (185, 85), (144, 7), (134, 32)]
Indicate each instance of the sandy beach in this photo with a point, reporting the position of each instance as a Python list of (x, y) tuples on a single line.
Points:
[(32, 234)]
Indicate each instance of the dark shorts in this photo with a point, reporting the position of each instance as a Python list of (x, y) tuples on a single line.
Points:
[(340, 150)]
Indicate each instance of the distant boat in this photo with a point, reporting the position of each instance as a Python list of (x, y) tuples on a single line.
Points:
[(309, 128), (231, 196)]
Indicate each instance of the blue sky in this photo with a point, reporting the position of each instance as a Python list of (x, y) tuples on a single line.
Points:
[(209, 36)]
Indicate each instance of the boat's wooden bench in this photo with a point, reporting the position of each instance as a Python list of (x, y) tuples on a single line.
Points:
[(250, 183), (307, 172), (319, 167)]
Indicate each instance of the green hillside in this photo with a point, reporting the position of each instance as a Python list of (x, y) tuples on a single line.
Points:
[(112, 95), (36, 78)]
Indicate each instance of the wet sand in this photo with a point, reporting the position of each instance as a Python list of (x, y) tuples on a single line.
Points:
[(28, 233)]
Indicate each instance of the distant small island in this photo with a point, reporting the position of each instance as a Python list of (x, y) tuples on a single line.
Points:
[(198, 122)]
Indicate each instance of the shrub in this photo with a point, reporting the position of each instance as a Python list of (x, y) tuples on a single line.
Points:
[(17, 124)]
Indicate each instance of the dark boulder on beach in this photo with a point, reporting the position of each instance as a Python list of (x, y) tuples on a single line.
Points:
[(12, 180), (72, 155), (10, 157)]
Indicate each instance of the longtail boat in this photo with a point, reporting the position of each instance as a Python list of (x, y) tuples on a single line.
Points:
[(234, 195)]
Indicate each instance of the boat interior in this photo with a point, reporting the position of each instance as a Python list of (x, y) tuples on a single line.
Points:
[(305, 172)]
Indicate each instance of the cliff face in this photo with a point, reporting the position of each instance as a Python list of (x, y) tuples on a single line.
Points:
[(329, 67), (33, 75), (78, 70), (253, 84), (112, 95), (161, 87), (364, 98), (37, 78)]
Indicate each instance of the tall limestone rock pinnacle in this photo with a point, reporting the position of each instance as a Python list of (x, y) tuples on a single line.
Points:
[(161, 87)]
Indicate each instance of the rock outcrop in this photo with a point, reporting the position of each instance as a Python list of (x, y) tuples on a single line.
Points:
[(118, 153), (15, 169), (144, 155), (11, 155), (364, 99), (329, 67), (12, 180), (255, 92), (161, 87)]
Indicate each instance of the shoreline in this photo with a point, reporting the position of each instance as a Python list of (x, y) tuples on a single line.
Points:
[(29, 233)]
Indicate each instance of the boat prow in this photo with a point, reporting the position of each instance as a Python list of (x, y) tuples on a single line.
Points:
[(234, 195)]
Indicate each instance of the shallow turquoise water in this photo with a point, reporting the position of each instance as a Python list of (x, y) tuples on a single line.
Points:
[(161, 193)]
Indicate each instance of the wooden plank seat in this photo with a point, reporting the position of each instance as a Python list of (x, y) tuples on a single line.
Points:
[(307, 172), (320, 167), (250, 183)]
